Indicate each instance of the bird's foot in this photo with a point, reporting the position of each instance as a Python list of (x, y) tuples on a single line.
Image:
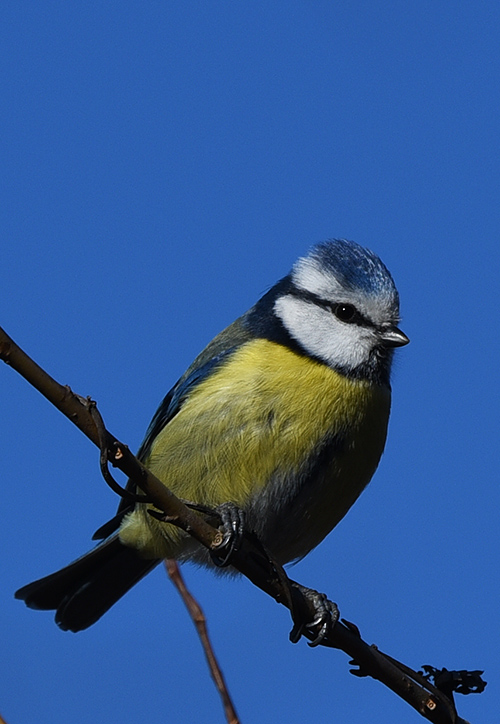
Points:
[(325, 618), (232, 527), (230, 520)]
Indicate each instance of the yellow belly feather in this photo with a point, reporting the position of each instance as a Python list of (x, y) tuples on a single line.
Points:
[(264, 412)]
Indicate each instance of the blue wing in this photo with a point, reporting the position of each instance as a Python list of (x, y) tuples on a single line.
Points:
[(173, 401), (169, 407)]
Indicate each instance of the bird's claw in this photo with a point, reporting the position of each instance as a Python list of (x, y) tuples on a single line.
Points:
[(232, 526), (327, 615)]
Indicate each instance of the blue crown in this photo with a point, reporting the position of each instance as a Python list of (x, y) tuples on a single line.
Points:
[(355, 267)]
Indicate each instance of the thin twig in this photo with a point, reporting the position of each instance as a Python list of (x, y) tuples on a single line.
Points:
[(250, 559), (200, 622), (78, 410)]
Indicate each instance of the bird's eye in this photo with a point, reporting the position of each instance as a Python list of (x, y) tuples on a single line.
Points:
[(345, 312)]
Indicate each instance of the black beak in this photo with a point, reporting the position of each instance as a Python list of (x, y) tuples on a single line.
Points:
[(393, 337)]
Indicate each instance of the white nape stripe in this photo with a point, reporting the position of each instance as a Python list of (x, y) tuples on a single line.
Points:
[(307, 274)]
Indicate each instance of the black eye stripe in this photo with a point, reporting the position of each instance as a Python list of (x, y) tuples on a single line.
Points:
[(336, 308)]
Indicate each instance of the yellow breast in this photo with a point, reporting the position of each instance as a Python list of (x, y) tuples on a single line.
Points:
[(249, 433)]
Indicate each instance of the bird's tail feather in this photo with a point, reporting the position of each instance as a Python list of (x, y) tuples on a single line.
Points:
[(84, 590)]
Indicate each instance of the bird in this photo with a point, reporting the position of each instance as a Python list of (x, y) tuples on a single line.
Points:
[(283, 415)]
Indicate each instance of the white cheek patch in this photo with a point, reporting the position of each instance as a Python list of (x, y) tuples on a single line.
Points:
[(321, 334)]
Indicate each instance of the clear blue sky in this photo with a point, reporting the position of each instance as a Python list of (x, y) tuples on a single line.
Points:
[(163, 163)]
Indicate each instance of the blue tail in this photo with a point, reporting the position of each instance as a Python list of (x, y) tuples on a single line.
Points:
[(84, 590)]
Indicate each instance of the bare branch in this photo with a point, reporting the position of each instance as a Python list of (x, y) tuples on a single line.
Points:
[(199, 620), (251, 559), (78, 410)]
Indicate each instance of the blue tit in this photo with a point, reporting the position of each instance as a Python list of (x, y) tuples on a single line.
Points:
[(284, 414)]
